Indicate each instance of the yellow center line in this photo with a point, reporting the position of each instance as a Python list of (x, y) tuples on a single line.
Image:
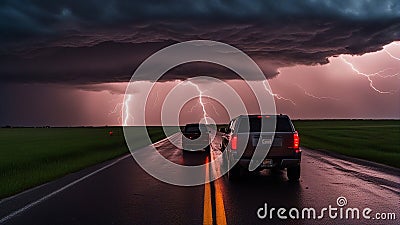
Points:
[(219, 200), (219, 203), (207, 210)]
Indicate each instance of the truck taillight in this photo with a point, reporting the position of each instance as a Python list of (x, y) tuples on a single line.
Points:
[(234, 142), (296, 141)]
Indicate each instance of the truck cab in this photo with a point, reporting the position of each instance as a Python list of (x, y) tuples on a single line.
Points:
[(196, 137), (257, 142)]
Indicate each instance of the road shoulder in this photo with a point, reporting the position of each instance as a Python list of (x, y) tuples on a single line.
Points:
[(363, 162), (26, 198)]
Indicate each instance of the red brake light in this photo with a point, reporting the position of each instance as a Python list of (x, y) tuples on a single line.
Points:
[(234, 142), (296, 141)]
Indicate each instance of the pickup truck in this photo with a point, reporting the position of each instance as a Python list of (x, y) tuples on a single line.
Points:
[(196, 137), (257, 142)]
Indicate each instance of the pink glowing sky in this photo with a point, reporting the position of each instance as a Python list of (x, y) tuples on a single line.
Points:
[(333, 90)]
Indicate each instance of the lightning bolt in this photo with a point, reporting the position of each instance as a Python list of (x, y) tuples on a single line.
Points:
[(117, 108), (313, 96), (201, 102), (156, 100), (126, 109), (379, 73), (277, 96), (391, 55), (206, 103), (212, 106), (368, 76)]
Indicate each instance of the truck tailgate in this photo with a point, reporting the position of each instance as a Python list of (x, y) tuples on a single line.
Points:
[(279, 145)]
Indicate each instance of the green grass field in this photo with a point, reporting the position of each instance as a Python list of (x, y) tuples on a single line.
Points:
[(373, 140), (32, 156)]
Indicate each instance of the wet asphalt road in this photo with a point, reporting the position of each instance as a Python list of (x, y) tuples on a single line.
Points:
[(122, 193)]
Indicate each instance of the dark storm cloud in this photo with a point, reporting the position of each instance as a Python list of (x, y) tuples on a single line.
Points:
[(104, 41)]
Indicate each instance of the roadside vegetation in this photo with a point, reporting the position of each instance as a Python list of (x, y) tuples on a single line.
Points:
[(373, 140), (33, 156)]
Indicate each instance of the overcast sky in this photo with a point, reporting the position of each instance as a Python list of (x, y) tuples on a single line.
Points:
[(66, 63)]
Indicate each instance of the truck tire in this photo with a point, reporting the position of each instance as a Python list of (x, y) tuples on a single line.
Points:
[(208, 149), (293, 173), (234, 173)]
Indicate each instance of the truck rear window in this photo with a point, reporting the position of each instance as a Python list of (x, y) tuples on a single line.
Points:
[(195, 129), (282, 125)]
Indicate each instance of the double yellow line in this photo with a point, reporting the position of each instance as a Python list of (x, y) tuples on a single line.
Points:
[(220, 217)]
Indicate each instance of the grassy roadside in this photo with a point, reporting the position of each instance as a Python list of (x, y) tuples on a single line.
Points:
[(373, 140), (33, 156)]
